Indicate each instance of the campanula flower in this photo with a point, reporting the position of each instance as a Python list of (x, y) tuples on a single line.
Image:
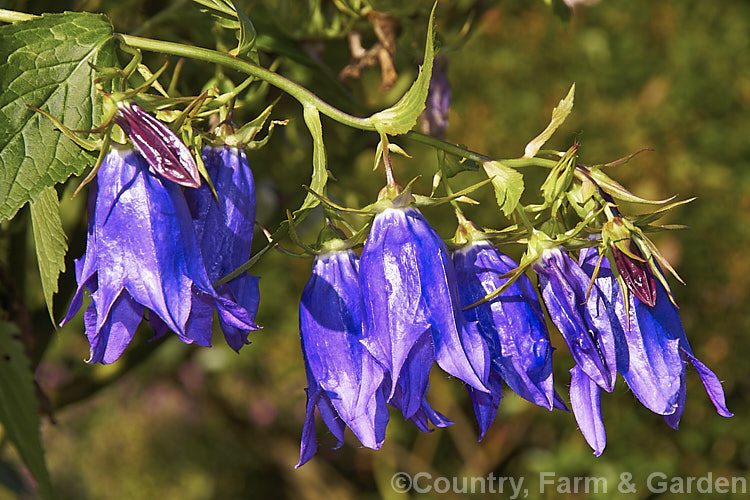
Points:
[(141, 254), (579, 314), (513, 326), (434, 118), (224, 229), (344, 380), (164, 152), (652, 348), (410, 299)]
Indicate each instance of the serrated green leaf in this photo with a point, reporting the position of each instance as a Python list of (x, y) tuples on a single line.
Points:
[(50, 242), (320, 170), (401, 117), (559, 114), (508, 185), (47, 64), (18, 406)]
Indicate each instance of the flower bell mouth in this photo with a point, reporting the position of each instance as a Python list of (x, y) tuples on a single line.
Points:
[(164, 152)]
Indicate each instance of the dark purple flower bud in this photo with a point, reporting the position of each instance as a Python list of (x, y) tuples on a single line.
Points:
[(165, 153), (224, 229), (434, 118), (344, 380), (410, 301), (141, 253), (512, 324), (636, 274), (584, 324)]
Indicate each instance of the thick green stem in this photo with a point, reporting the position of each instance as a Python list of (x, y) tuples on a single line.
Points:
[(295, 90)]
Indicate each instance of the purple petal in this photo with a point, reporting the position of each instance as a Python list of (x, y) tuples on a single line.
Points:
[(109, 341), (585, 401), (647, 358), (330, 330), (408, 286), (486, 405), (512, 324), (584, 324)]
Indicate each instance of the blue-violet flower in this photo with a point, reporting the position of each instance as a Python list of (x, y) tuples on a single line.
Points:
[(141, 252), (513, 326), (344, 380), (224, 229), (410, 303)]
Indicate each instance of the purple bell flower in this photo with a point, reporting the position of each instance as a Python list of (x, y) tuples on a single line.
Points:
[(434, 118), (652, 348), (141, 253), (164, 152), (411, 310), (344, 380), (584, 323), (224, 230), (513, 326), (587, 329)]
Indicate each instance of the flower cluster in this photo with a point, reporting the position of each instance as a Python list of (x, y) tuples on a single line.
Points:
[(372, 327), (147, 250)]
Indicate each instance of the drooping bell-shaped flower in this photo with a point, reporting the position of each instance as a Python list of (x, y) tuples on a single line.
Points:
[(164, 152), (650, 363), (224, 229), (141, 254), (410, 300), (652, 348), (580, 315), (344, 380), (513, 326), (434, 118)]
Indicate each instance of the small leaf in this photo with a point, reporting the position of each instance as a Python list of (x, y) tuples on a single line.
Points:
[(618, 191), (559, 114), (450, 164), (18, 406), (48, 63), (50, 242), (320, 171), (402, 116), (508, 185)]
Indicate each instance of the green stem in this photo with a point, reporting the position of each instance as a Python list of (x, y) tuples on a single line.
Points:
[(447, 147), (295, 90)]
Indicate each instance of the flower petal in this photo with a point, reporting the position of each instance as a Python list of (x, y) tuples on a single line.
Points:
[(585, 400)]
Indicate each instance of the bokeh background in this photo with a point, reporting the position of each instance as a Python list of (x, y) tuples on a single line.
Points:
[(180, 422)]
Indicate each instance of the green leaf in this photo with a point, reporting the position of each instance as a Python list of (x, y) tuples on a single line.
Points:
[(50, 241), (618, 191), (228, 15), (18, 406), (401, 117), (508, 185), (47, 64), (320, 171), (559, 114)]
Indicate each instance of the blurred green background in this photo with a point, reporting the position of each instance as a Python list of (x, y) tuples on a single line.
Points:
[(175, 421)]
